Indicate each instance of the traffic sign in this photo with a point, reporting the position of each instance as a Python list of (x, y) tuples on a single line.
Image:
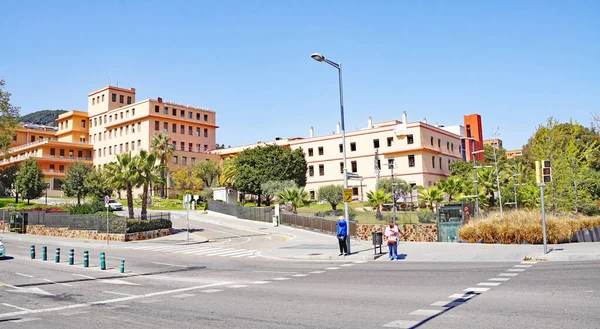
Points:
[(348, 195), (106, 199)]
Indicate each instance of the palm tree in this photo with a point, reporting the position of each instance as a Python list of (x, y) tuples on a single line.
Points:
[(146, 172), (295, 196), (228, 171), (121, 176), (452, 187), (431, 196), (161, 144), (486, 183), (377, 199)]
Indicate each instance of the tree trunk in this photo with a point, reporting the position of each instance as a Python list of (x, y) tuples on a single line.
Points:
[(334, 206), (130, 200), (144, 201), (78, 200)]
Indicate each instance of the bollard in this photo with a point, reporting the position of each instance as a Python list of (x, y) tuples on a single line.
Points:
[(32, 251), (57, 257), (122, 270), (86, 258), (71, 256), (102, 261), (44, 253)]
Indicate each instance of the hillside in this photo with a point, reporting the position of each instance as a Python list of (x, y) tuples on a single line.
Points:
[(44, 117)]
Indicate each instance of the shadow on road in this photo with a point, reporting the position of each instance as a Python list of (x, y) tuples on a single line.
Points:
[(451, 305)]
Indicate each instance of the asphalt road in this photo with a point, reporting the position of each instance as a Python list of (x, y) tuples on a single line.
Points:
[(192, 287)]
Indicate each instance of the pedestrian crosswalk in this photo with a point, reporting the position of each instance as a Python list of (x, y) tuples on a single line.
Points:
[(199, 250)]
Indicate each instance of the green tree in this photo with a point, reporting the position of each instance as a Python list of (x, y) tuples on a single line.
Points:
[(228, 171), (161, 144), (207, 171), (332, 194), (9, 119), (431, 196), (30, 180), (461, 169), (146, 172), (377, 199), (8, 176), (183, 179), (296, 197), (122, 176), (451, 187), (271, 188), (74, 183), (98, 184), (269, 163)]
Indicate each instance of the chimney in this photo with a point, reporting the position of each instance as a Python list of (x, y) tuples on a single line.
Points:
[(311, 132), (424, 120), (370, 123), (337, 128), (404, 118)]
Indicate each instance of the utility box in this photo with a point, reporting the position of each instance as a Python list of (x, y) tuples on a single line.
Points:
[(225, 194), (451, 217)]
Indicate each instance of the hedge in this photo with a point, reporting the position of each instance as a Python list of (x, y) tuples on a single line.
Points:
[(135, 225)]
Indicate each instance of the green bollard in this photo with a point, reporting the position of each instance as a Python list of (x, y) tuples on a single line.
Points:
[(71, 256), (57, 257), (32, 251), (122, 270), (102, 261), (86, 258), (44, 253)]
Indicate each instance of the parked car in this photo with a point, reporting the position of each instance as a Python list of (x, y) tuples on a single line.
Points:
[(2, 250), (113, 205)]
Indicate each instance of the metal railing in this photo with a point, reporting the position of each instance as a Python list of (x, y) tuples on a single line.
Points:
[(250, 213)]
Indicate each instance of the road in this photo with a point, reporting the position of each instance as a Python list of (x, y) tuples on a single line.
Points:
[(227, 284)]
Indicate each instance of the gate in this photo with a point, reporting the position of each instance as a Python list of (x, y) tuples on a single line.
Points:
[(451, 217)]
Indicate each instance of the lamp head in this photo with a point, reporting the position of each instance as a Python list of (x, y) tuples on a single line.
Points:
[(318, 57)]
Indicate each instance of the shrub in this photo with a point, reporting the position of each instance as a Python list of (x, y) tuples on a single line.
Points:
[(86, 208), (336, 213), (426, 216), (591, 209), (134, 225)]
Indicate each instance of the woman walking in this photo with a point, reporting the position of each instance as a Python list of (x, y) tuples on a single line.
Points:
[(392, 235), (342, 235)]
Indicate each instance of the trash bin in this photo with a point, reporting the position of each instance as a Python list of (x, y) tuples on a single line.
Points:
[(377, 241)]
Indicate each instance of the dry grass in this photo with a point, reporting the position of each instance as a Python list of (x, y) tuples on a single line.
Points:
[(519, 226)]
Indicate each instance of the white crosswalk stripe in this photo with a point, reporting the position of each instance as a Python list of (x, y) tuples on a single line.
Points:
[(200, 250)]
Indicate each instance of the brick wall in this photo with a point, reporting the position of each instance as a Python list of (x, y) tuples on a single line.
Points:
[(94, 235), (410, 233)]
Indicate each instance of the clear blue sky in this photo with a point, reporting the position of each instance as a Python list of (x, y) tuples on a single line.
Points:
[(513, 62)]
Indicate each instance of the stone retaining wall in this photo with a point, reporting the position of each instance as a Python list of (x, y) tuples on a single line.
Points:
[(64, 232), (409, 233)]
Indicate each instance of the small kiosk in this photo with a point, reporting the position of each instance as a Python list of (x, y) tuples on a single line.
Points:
[(451, 217)]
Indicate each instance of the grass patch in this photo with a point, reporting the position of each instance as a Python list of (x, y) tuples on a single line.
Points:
[(362, 216), (525, 226)]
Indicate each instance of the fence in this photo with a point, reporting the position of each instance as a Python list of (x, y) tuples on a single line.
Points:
[(321, 224), (250, 213), (154, 216)]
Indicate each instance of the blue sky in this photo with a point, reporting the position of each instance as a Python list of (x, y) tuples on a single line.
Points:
[(514, 62)]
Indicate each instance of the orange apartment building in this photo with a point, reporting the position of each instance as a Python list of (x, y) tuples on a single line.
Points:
[(115, 123), (495, 143)]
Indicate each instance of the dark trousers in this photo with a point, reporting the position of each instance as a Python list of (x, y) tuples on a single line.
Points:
[(343, 245)]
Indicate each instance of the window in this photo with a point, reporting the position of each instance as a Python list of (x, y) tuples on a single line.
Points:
[(32, 139), (190, 147), (352, 147), (197, 147), (127, 147), (184, 161), (433, 161), (174, 112), (431, 139), (156, 108), (121, 99), (182, 129), (190, 115), (139, 127), (198, 116), (354, 166), (411, 160), (320, 150), (205, 132), (206, 149), (206, 117), (165, 127), (121, 132), (121, 115), (94, 101), (448, 146), (193, 161), (105, 119), (182, 146), (114, 97), (132, 112), (355, 191), (312, 194), (310, 152), (390, 140), (166, 110), (441, 163), (376, 143), (182, 114), (132, 146), (61, 168), (52, 152), (311, 171), (174, 145), (197, 132), (175, 159), (128, 99), (448, 164), (82, 123), (190, 131), (378, 164), (102, 98), (321, 170), (452, 147), (341, 167), (95, 122), (341, 148), (410, 139), (174, 128), (104, 152), (110, 150), (390, 163), (439, 143), (139, 143), (52, 168)]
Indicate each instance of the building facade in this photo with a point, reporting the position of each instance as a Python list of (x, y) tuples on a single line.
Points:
[(511, 154), (495, 143)]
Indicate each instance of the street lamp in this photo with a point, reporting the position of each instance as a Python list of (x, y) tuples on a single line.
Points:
[(391, 167), (320, 58)]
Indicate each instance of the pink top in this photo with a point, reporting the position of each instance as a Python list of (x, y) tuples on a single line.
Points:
[(393, 231)]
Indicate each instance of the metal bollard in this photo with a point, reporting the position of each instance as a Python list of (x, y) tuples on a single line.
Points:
[(102, 261), (71, 256), (57, 257), (32, 251), (86, 258), (44, 253), (122, 270)]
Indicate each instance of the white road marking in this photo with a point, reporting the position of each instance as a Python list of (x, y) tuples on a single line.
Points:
[(149, 301), (275, 272), (441, 303), (211, 250), (516, 270), (109, 301), (62, 284), (490, 284), (25, 275), (238, 286), (73, 313), (477, 289), (252, 256), (281, 279), (17, 307), (85, 276), (528, 262), (167, 264), (183, 295), (462, 296), (245, 254), (523, 266), (300, 275), (317, 272), (189, 249), (360, 262), (425, 312), (447, 303), (508, 274), (218, 252), (211, 290), (117, 281), (117, 293), (499, 279), (197, 250), (347, 265), (403, 324), (332, 268), (236, 252), (261, 282)]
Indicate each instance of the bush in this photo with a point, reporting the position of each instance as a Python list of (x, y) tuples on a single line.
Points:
[(591, 209), (134, 225), (426, 216), (86, 208), (336, 213)]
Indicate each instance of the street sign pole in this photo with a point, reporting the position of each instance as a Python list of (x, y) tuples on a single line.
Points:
[(106, 200), (543, 218), (186, 201)]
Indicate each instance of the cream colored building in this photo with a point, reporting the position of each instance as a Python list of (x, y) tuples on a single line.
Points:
[(421, 153)]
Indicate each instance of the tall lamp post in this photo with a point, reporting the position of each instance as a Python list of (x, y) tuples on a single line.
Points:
[(320, 58), (391, 167)]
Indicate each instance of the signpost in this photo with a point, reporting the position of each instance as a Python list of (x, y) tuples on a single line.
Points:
[(187, 199), (106, 200), (348, 195)]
